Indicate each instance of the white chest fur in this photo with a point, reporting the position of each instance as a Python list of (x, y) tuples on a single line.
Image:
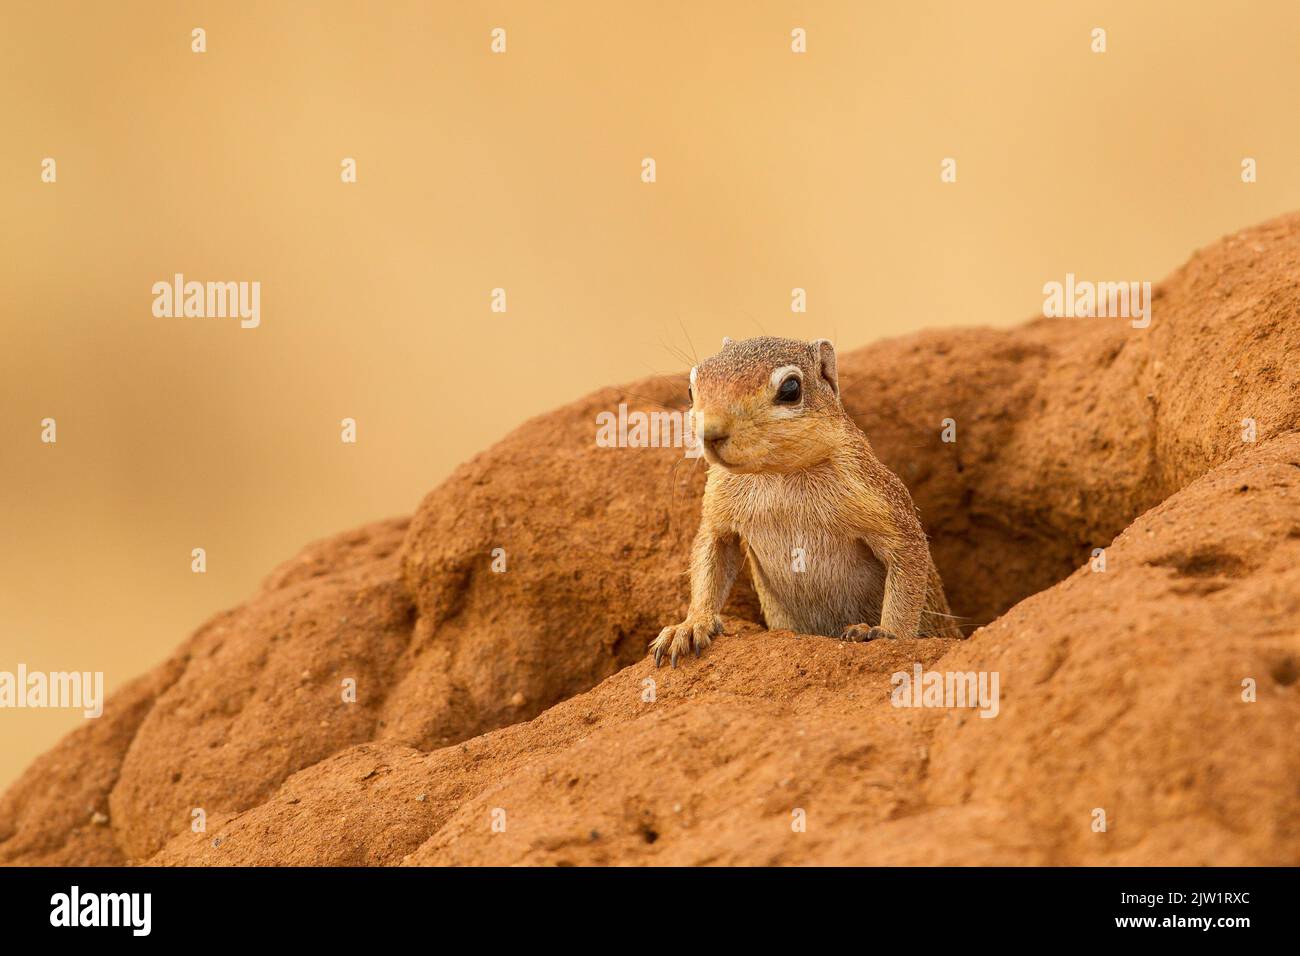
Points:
[(811, 575)]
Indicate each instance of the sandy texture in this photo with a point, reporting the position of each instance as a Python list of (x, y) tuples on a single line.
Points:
[(522, 696)]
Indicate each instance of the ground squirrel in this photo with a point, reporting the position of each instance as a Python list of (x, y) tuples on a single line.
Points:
[(833, 539)]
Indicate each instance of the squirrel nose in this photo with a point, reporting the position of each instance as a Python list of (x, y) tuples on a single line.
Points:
[(714, 437), (713, 432)]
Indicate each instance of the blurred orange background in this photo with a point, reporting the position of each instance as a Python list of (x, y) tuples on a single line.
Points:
[(522, 170)]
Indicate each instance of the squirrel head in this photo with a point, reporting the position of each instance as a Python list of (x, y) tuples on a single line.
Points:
[(764, 404)]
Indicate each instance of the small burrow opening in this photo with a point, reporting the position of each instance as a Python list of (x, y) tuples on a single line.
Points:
[(1286, 671)]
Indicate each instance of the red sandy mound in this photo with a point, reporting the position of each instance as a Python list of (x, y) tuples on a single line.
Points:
[(1120, 690)]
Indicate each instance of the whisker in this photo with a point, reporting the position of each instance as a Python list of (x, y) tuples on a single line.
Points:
[(696, 359), (753, 318)]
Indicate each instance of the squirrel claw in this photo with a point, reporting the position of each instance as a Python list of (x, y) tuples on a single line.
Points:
[(678, 640), (861, 633)]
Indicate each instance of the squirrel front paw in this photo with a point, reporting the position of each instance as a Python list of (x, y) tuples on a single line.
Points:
[(676, 640), (861, 633)]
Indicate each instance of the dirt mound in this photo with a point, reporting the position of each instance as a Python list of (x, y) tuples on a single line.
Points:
[(1121, 690)]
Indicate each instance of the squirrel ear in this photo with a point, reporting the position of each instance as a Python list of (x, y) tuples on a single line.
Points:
[(825, 353), (726, 340)]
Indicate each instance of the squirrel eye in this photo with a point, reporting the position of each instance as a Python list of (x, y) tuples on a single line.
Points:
[(690, 394), (790, 391)]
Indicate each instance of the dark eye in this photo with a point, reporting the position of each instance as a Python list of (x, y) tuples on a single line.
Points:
[(790, 391), (690, 394)]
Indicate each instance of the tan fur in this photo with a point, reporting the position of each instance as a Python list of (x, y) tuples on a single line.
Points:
[(786, 481)]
